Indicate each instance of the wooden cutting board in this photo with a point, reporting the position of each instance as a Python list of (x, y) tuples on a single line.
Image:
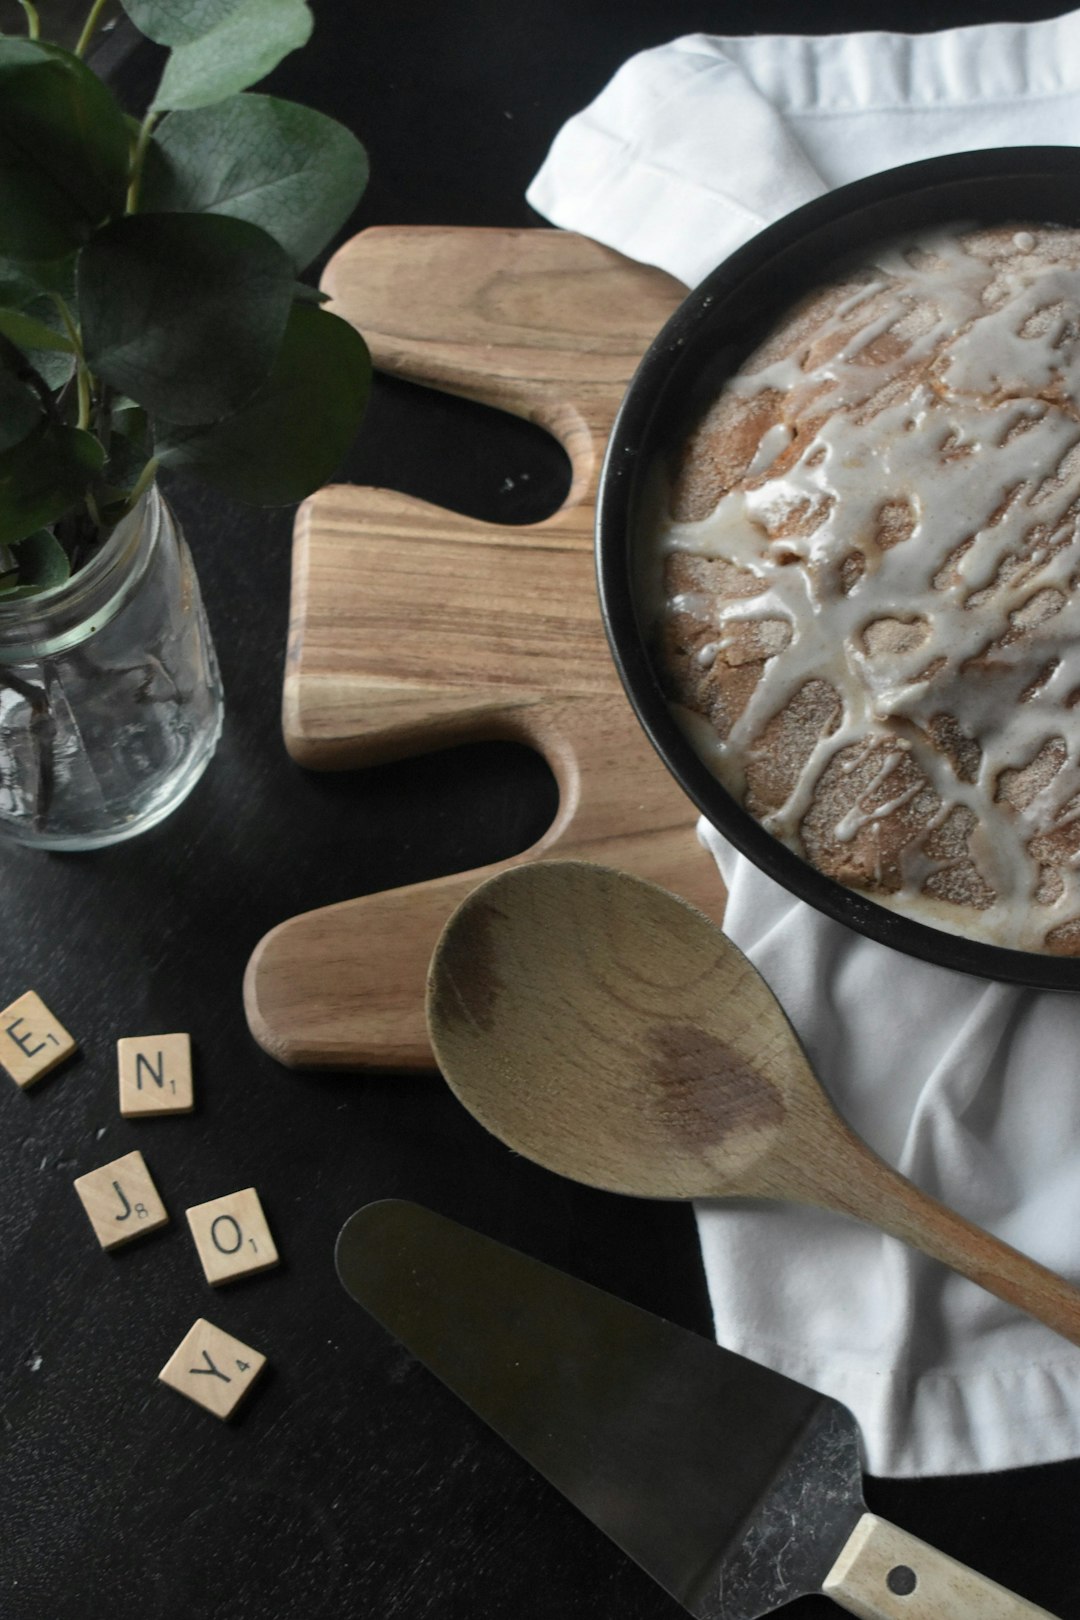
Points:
[(413, 628)]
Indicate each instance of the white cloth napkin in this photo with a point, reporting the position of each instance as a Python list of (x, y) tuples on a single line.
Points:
[(971, 1088)]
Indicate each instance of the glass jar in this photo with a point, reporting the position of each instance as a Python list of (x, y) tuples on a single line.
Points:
[(110, 697)]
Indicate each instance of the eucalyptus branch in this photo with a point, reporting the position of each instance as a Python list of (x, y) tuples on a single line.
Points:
[(89, 27), (70, 328), (142, 483), (139, 357), (34, 696), (103, 412), (146, 129), (82, 371)]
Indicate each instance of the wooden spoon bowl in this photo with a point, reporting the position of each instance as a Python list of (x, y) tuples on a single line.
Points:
[(610, 1032)]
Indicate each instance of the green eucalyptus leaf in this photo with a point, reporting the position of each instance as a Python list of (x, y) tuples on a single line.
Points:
[(63, 151), (178, 22), (54, 365), (37, 369), (43, 477), (40, 342), (43, 563), (246, 45), (292, 436), (55, 369), (183, 312), (22, 281), (16, 287), (20, 410), (131, 422), (290, 169), (30, 333), (126, 459)]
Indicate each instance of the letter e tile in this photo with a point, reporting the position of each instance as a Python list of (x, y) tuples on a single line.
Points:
[(212, 1368), (121, 1201), (155, 1074), (232, 1236), (32, 1041)]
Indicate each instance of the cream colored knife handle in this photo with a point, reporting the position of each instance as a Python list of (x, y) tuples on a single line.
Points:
[(885, 1574)]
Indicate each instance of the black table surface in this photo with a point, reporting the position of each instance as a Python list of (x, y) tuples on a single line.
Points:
[(352, 1484)]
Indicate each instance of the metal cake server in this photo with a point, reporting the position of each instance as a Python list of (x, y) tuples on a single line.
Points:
[(734, 1487)]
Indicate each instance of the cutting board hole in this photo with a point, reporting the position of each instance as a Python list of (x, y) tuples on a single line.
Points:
[(455, 453), (419, 818)]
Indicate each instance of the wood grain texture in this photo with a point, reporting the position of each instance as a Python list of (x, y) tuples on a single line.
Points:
[(603, 1028), (33, 1041), (212, 1368), (121, 1201), (413, 628), (232, 1237), (155, 1074), (884, 1573)]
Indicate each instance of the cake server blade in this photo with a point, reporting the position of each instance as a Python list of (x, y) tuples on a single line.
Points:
[(734, 1487), (698, 1463)]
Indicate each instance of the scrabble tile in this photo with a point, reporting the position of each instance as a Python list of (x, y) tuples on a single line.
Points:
[(155, 1075), (232, 1236), (121, 1201), (32, 1041), (212, 1368)]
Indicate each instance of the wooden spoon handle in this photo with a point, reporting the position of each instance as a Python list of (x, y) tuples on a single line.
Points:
[(853, 1180), (885, 1574)]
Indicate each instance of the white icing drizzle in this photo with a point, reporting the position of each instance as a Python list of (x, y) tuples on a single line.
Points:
[(774, 441), (972, 428)]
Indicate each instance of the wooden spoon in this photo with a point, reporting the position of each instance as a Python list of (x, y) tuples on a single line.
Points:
[(607, 1030)]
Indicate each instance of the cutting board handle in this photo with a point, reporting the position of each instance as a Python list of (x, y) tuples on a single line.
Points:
[(415, 628), (885, 1574)]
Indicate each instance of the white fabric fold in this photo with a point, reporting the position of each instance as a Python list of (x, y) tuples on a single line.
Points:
[(970, 1088), (694, 146)]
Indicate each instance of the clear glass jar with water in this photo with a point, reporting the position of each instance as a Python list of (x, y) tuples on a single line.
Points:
[(110, 697)]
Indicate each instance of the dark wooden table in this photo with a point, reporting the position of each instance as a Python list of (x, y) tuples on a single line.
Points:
[(353, 1484)]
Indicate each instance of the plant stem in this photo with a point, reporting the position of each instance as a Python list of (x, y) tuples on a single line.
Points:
[(42, 731), (103, 425), (69, 325), (33, 24), (89, 26), (83, 378), (146, 129), (84, 398), (142, 483)]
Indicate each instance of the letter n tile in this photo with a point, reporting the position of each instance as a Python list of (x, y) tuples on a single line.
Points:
[(155, 1075)]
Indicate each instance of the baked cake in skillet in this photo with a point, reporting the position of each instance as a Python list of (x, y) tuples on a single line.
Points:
[(865, 565)]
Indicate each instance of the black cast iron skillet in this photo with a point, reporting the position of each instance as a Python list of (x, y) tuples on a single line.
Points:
[(707, 338)]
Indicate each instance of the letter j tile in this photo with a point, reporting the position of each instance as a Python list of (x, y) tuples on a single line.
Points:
[(121, 1201)]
